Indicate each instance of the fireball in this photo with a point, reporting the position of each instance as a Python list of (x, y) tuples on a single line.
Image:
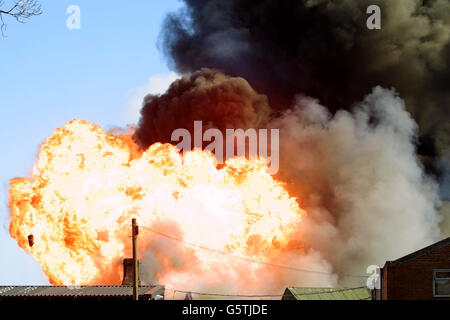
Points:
[(88, 184)]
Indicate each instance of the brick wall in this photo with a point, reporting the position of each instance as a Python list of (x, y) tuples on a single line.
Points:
[(414, 279)]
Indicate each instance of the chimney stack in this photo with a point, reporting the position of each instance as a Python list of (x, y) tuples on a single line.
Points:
[(128, 271)]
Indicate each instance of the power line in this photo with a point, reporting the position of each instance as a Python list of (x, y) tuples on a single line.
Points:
[(228, 295), (260, 295), (248, 259)]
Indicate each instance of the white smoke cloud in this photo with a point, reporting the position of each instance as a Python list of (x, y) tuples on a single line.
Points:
[(358, 177), (157, 84)]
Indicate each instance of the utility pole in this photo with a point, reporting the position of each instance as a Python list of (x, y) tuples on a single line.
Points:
[(135, 232)]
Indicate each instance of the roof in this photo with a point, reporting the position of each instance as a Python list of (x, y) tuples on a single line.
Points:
[(362, 293), (438, 245), (79, 291)]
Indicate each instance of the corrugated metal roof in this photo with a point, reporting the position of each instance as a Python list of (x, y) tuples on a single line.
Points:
[(81, 291), (362, 293)]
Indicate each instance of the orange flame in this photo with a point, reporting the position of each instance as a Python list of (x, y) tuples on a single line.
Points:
[(87, 185)]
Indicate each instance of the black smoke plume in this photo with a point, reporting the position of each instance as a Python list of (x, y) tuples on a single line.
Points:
[(323, 49), (218, 100)]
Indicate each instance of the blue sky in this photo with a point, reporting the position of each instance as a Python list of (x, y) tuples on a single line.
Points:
[(50, 75)]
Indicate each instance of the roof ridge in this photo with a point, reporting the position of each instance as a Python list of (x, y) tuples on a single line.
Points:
[(418, 253)]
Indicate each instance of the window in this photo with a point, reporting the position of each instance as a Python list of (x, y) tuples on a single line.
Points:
[(441, 283)]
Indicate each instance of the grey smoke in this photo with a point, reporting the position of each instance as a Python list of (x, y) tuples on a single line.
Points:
[(358, 177)]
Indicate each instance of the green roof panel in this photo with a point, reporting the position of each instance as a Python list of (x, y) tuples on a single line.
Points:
[(361, 293)]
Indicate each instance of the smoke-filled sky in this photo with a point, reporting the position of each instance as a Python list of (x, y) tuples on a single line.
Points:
[(363, 114), (323, 49)]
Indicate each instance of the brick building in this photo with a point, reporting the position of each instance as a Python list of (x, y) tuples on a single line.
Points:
[(421, 275)]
